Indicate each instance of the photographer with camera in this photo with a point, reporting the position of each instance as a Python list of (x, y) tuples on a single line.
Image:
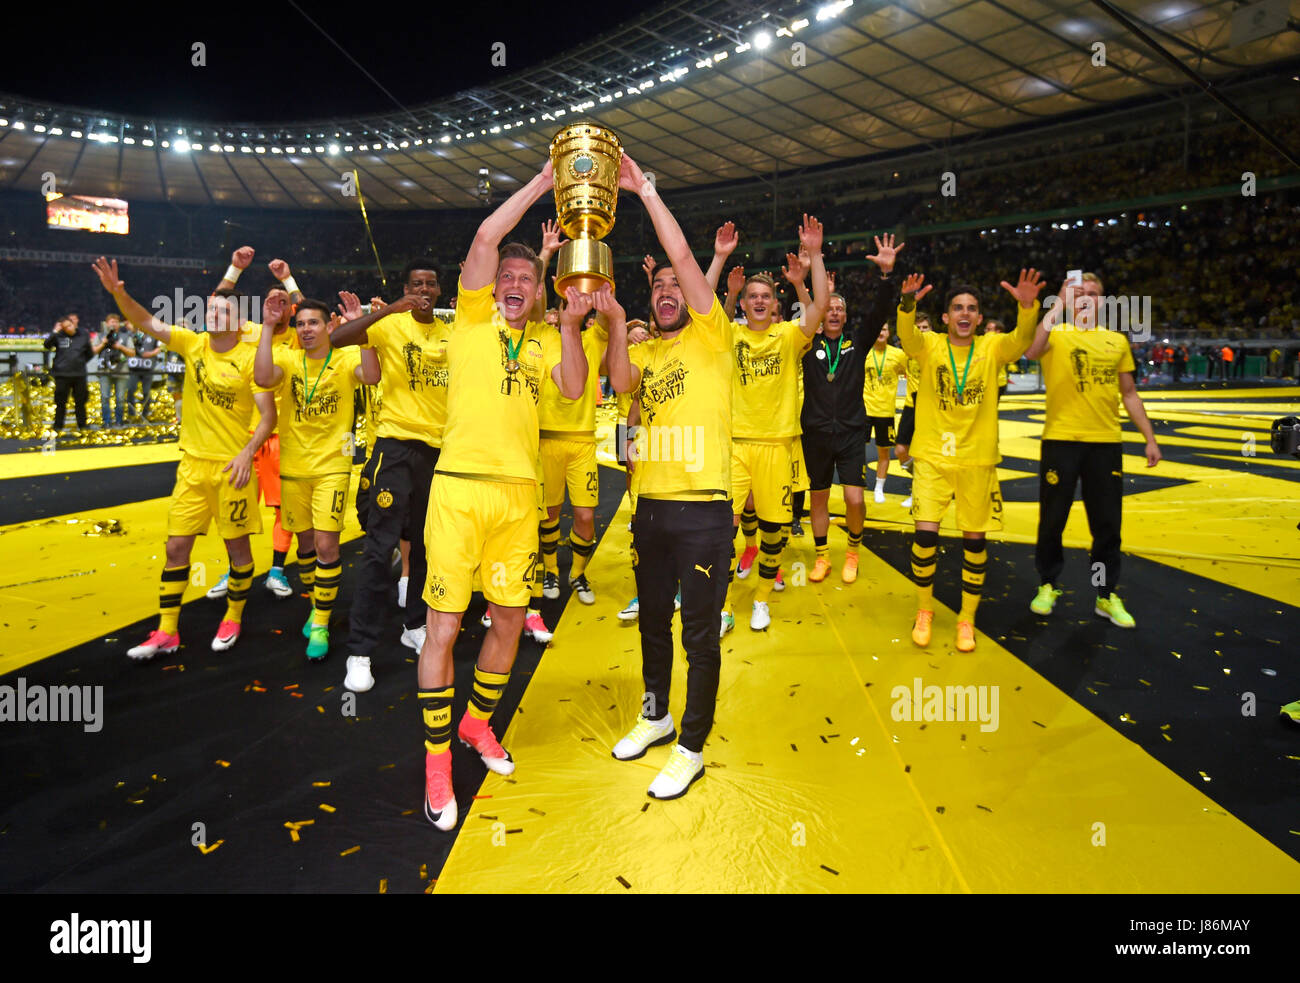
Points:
[(139, 365), (72, 350), (112, 372)]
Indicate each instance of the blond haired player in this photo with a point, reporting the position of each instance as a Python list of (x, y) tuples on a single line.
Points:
[(483, 504), (215, 477), (1088, 371), (956, 444), (765, 404), (317, 386)]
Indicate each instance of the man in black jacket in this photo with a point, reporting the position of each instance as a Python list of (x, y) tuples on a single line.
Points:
[(72, 350), (834, 419)]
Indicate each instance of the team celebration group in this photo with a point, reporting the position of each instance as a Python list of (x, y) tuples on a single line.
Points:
[(484, 422)]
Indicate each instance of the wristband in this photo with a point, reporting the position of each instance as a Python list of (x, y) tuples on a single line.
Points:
[(232, 273), (290, 285)]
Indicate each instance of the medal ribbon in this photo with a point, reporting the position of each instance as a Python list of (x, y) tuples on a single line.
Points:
[(512, 350), (961, 386), (305, 376), (836, 360)]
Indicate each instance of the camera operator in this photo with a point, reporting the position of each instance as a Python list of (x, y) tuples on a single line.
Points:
[(112, 372), (139, 365), (72, 350)]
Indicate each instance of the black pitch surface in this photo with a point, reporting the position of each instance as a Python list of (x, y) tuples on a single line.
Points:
[(1217, 699), (115, 811)]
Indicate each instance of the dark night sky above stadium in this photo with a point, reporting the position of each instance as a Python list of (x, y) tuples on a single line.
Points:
[(266, 62)]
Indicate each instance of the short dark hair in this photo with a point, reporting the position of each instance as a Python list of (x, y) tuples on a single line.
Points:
[(228, 292), (423, 263), (519, 250), (307, 304), (961, 288)]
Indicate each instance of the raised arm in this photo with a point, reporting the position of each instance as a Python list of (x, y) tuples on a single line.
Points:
[(695, 288), (724, 244), (911, 340), (354, 331), (1051, 320), (880, 301), (623, 375), (811, 236), (280, 270), (240, 260), (265, 372), (570, 375), (131, 309), (480, 267), (1026, 289), (735, 284), (551, 243)]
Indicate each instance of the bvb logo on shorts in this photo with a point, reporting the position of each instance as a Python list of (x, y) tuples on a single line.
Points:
[(1052, 477), (384, 499), (365, 483), (437, 588)]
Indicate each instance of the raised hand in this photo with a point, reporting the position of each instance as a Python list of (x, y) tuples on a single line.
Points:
[(273, 309), (551, 241), (727, 239), (630, 177), (351, 306), (576, 306), (107, 272), (886, 252), (830, 281), (912, 290), (241, 257), (795, 269), (376, 303), (410, 303), (736, 280), (648, 265), (1027, 287), (811, 234), (279, 268), (608, 305), (637, 332), (548, 171)]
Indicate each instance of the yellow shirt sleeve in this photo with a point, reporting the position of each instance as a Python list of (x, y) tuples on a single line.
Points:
[(713, 328), (1011, 346), (473, 306), (913, 341), (183, 341)]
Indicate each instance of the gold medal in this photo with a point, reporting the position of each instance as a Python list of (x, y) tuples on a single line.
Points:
[(512, 365), (830, 376)]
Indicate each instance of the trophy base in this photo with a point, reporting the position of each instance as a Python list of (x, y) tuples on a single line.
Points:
[(586, 264)]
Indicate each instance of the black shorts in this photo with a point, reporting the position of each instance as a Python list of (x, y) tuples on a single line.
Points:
[(906, 426), (884, 430), (843, 453)]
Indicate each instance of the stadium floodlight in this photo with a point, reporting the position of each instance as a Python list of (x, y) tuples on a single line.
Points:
[(95, 136), (742, 48), (245, 150), (228, 148), (215, 148), (334, 148), (720, 56), (762, 40), (833, 9), (147, 142), (4, 122), (445, 138), (38, 128), (261, 150), (276, 150), (800, 24), (19, 125)]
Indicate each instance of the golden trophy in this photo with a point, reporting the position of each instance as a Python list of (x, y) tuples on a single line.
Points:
[(585, 158)]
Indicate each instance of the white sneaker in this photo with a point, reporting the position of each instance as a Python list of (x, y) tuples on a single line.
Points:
[(760, 619), (219, 589), (413, 638), (880, 494), (401, 591), (646, 734), (583, 589), (632, 611), (486, 620), (907, 502), (359, 678), (684, 767), (728, 623)]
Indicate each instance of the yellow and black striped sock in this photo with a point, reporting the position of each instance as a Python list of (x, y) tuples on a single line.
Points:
[(769, 558), (855, 541), (924, 546), (307, 570), (488, 687), (170, 591), (973, 563), (582, 550), (749, 527), (325, 590), (550, 536), (435, 707), (241, 578), (823, 548)]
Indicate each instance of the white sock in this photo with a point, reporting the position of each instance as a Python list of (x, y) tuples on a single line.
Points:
[(880, 483)]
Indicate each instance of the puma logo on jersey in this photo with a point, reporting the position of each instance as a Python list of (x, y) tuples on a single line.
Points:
[(702, 570)]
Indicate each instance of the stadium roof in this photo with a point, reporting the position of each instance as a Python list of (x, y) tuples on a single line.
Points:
[(699, 91)]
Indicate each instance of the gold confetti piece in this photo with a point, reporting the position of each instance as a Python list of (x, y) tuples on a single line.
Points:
[(320, 784), (383, 885), (136, 802), (292, 686), (1164, 726), (429, 889), (1203, 775), (424, 872), (1127, 719), (259, 689), (224, 764), (1218, 634), (205, 850), (1176, 655), (119, 784), (386, 767), (319, 708), (298, 695), (1227, 671), (1167, 738), (327, 689), (326, 808), (293, 835), (409, 812), (351, 849), (157, 779), (1143, 681), (1205, 688), (1091, 690)]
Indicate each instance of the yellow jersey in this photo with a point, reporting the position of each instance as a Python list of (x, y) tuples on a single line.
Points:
[(251, 334), (414, 377), (1081, 371), (492, 430), (574, 419), (880, 379), (957, 422), (913, 371), (766, 378), (683, 445), (317, 396), (219, 408)]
